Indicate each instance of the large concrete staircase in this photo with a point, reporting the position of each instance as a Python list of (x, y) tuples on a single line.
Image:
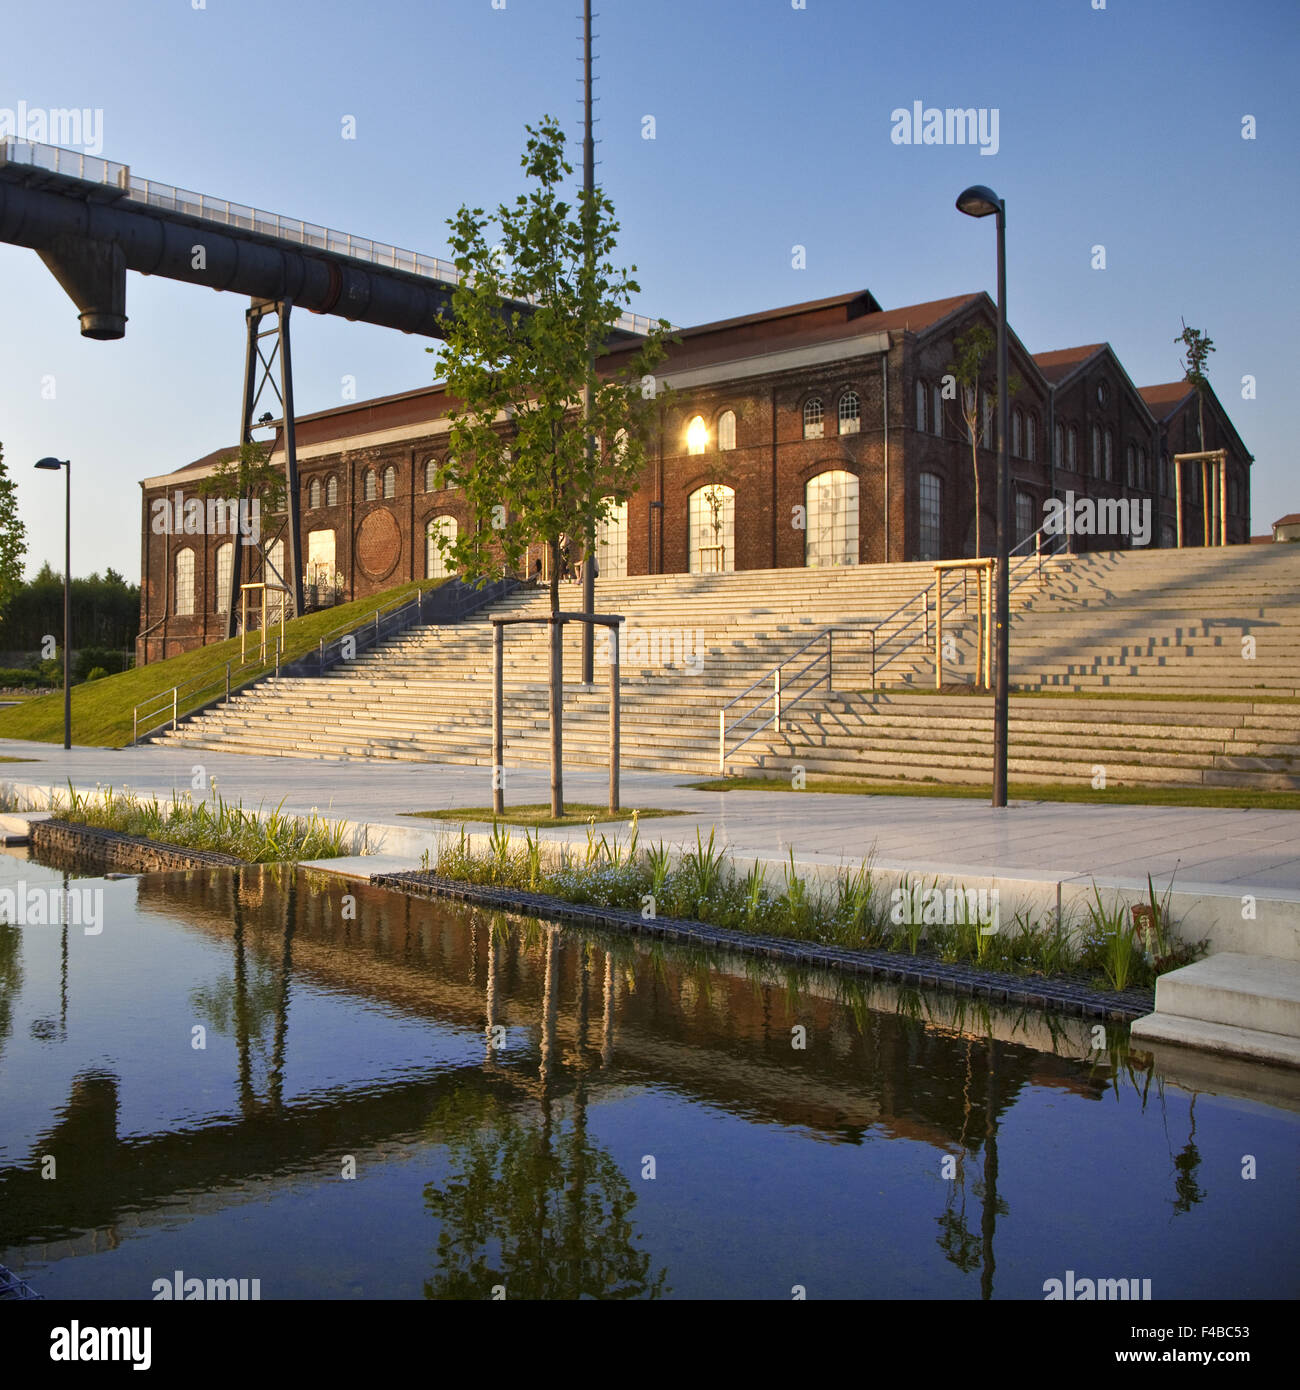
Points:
[(1161, 623)]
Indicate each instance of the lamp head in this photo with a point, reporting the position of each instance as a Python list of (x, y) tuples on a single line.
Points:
[(52, 463), (979, 201)]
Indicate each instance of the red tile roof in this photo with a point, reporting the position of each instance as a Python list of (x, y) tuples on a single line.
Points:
[(1061, 362), (1163, 400)]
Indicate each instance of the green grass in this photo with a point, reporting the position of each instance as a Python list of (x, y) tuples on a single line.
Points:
[(101, 710), (1117, 947), (210, 824), (1225, 798), (539, 814)]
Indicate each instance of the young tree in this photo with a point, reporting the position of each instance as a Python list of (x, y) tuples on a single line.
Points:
[(518, 442), (972, 350), (1197, 348), (13, 537)]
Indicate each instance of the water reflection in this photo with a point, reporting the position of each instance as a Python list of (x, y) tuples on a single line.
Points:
[(528, 1069)]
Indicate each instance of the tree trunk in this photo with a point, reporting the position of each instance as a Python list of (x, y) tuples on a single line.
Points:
[(975, 468), (556, 701)]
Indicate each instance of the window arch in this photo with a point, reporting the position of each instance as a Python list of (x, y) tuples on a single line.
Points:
[(726, 430), (831, 534), (711, 529), (920, 405), (813, 418), (1096, 451), (1017, 432), (436, 563), (611, 541), (850, 412), (390, 481), (1073, 457), (313, 494), (1109, 455), (1031, 437), (431, 474), (331, 491), (225, 563), (930, 517), (369, 485), (697, 435), (184, 586)]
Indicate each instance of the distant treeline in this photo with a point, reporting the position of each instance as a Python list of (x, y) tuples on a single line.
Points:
[(105, 613)]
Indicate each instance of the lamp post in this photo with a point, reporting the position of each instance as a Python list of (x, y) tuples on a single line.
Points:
[(53, 463), (979, 201)]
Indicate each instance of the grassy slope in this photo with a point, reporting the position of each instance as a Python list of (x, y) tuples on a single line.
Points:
[(1227, 798), (101, 710)]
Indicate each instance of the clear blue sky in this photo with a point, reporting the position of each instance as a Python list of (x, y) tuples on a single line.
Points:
[(1119, 126)]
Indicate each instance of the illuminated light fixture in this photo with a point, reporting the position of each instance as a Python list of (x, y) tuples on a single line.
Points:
[(697, 435)]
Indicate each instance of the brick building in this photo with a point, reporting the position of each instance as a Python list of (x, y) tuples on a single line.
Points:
[(818, 434)]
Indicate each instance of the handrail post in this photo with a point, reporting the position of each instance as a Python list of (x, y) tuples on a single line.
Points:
[(174, 691), (227, 682), (498, 719), (830, 658), (777, 675), (277, 657), (873, 659), (938, 628), (722, 743), (135, 725), (613, 716)]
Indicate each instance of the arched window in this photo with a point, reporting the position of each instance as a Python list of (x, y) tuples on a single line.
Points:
[(813, 417), (697, 435), (620, 442), (313, 494), (936, 410), (331, 491), (1096, 451), (431, 474), (611, 542), (727, 430), (184, 587), (1024, 516), (850, 413), (1031, 437), (436, 563), (1017, 432), (1144, 470), (369, 485), (1110, 456), (390, 481), (987, 436), (831, 537), (1060, 445), (920, 405), (711, 529), (1130, 466), (225, 562), (1072, 459), (930, 517)]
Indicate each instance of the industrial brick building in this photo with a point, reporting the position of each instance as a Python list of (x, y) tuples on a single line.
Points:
[(818, 434)]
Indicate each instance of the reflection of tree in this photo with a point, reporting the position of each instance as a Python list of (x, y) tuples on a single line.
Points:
[(11, 975), (1187, 1161), (955, 1240), (533, 1206)]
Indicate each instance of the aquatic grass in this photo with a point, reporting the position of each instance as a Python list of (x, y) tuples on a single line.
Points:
[(213, 824)]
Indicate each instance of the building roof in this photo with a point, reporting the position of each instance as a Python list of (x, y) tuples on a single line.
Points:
[(1290, 519), (1163, 400), (1064, 362)]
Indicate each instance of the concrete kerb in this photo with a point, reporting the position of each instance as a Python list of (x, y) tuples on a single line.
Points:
[(1211, 912)]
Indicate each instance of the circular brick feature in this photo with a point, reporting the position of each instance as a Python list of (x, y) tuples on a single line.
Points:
[(379, 544)]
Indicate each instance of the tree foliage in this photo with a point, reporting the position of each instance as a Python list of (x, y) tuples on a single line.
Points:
[(518, 443), (1197, 347), (972, 351), (13, 537)]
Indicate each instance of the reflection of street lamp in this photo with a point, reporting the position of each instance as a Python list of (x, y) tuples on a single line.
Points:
[(979, 201), (52, 463), (697, 435)]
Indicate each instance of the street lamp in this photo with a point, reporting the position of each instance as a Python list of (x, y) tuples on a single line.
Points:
[(53, 463), (979, 201)]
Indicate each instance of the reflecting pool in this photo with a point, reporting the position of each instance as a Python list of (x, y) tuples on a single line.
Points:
[(339, 1092)]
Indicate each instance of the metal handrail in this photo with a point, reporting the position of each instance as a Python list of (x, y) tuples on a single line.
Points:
[(827, 634)]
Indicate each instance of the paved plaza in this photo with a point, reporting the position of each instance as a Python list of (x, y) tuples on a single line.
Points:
[(1206, 849)]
